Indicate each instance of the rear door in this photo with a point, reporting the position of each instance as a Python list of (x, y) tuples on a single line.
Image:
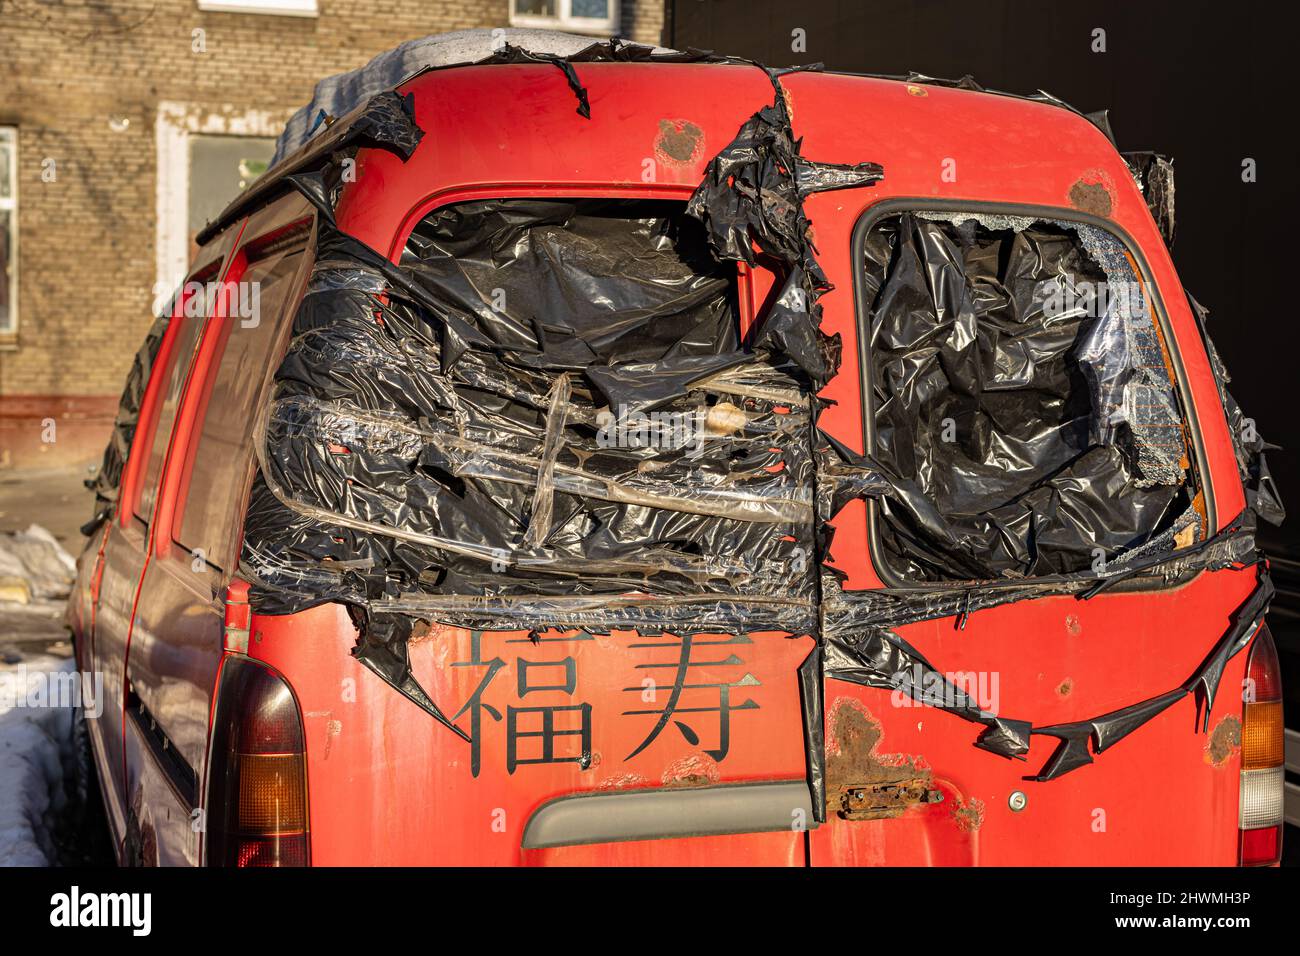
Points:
[(906, 784), (670, 747)]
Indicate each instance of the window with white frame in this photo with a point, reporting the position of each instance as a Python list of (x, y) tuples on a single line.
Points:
[(578, 16), (8, 231), (284, 8), (205, 158)]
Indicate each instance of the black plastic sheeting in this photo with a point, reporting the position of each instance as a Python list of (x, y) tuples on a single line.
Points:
[(1023, 429), (468, 431), (1154, 175), (438, 448), (625, 291), (753, 192), (1262, 496)]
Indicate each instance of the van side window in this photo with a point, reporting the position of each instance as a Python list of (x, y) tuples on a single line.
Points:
[(186, 312), (173, 375), (218, 474), (1021, 401)]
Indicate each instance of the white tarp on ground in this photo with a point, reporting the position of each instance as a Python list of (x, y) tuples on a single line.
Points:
[(341, 94), (34, 556)]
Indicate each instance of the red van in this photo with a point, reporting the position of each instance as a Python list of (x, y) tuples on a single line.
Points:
[(604, 461)]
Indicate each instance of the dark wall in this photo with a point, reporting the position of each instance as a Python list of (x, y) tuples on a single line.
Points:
[(1207, 84)]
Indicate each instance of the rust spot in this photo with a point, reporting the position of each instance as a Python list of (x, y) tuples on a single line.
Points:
[(969, 814), (1224, 742), (622, 782), (424, 630), (1065, 688), (861, 782), (917, 90), (679, 142), (332, 729), (1093, 193), (1072, 625), (694, 770)]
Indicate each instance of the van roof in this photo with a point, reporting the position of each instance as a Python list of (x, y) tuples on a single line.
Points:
[(934, 138)]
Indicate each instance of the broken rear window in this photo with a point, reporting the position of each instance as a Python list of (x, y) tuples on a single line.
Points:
[(563, 411), (1021, 401)]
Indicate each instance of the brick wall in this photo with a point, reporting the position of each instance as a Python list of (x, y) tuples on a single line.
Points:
[(73, 72)]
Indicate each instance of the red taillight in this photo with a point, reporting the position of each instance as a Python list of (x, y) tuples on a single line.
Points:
[(1262, 769), (257, 776), (1261, 847), (269, 851)]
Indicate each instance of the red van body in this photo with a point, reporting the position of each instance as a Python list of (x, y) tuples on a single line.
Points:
[(387, 785)]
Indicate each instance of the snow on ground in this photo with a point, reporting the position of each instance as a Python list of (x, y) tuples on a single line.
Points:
[(36, 713), (35, 750)]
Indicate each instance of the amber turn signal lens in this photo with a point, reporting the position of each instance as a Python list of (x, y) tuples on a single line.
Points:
[(271, 798), (1261, 735)]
